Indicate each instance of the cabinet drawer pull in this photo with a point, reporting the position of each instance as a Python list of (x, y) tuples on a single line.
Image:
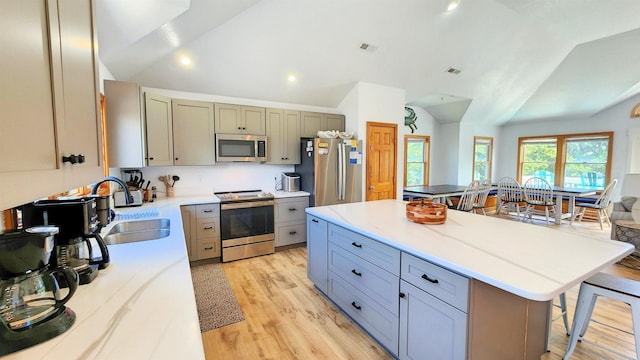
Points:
[(207, 211), (292, 209), (358, 307), (209, 248), (208, 228), (356, 245), (314, 220), (356, 273), (402, 295), (292, 232), (426, 277)]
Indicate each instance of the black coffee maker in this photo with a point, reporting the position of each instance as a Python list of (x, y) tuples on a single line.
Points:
[(78, 224), (31, 305)]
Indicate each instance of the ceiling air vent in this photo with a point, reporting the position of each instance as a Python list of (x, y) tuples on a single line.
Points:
[(453, 71), (364, 46)]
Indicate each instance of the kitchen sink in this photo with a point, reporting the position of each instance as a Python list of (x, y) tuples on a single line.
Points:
[(138, 230)]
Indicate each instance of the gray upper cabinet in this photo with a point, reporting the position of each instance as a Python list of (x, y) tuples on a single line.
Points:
[(46, 116), (193, 132), (312, 122), (239, 119), (125, 125), (283, 131), (159, 128)]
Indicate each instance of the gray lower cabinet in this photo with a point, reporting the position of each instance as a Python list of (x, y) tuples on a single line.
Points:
[(364, 283), (201, 225), (412, 307), (434, 305), (317, 270), (290, 220)]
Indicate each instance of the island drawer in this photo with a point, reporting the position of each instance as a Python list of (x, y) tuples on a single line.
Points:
[(444, 284), (288, 234), (207, 211), (371, 316), (380, 285), (208, 228), (207, 248), (291, 209), (371, 250)]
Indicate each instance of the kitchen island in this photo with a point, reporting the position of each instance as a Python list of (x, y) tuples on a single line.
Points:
[(490, 280)]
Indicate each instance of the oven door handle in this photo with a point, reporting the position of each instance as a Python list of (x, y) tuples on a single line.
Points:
[(247, 204)]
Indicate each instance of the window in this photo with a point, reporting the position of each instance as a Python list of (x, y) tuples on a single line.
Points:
[(416, 160), (575, 160), (482, 155), (538, 159)]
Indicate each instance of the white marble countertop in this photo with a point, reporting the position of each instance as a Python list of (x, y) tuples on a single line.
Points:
[(532, 261), (287, 194), (141, 307)]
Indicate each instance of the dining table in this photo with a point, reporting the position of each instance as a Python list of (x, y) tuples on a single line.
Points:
[(443, 192), (571, 193), (438, 192)]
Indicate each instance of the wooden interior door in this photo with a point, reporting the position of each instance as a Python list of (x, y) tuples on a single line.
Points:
[(381, 161)]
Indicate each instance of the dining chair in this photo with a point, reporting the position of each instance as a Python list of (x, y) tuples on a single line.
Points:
[(538, 193), (481, 199), (510, 196), (601, 205), (468, 198)]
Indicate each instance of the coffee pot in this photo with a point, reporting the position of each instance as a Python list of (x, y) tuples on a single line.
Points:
[(31, 305), (74, 244)]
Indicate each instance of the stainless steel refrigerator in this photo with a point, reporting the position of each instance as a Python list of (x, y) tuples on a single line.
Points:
[(330, 170)]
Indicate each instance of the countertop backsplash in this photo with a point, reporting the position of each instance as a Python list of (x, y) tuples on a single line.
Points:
[(198, 180)]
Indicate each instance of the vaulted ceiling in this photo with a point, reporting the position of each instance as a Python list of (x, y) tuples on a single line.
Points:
[(519, 60)]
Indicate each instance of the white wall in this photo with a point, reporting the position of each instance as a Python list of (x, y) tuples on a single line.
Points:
[(616, 119), (376, 103), (198, 180)]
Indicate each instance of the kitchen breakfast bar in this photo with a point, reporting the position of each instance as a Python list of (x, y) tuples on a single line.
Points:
[(475, 287)]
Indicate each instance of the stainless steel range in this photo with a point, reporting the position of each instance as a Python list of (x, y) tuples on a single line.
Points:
[(246, 224)]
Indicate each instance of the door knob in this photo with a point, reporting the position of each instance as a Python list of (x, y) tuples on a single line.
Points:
[(372, 188)]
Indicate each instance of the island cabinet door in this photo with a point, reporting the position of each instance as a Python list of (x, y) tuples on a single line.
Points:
[(430, 328), (317, 270)]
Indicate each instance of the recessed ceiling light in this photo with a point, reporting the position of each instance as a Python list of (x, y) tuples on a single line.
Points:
[(452, 5), (291, 78), (185, 60)]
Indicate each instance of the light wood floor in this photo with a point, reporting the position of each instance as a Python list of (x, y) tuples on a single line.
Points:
[(287, 318)]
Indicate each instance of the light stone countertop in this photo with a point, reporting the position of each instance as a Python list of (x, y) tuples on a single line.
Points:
[(140, 307), (531, 261)]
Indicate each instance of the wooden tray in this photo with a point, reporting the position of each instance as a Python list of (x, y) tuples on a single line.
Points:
[(426, 212)]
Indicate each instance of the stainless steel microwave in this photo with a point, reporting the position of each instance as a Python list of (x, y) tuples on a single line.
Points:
[(243, 148)]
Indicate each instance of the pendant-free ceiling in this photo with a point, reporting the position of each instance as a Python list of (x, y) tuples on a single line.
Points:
[(452, 5)]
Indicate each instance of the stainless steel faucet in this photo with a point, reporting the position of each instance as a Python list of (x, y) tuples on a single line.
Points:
[(127, 195)]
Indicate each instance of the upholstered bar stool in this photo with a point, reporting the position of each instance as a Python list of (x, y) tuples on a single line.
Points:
[(615, 287)]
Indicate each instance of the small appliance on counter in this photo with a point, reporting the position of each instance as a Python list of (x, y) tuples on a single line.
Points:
[(119, 199), (290, 181), (31, 309), (77, 222)]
